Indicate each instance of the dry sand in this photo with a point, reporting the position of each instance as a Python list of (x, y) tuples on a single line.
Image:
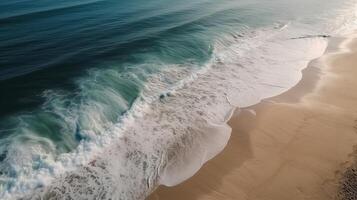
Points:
[(298, 145)]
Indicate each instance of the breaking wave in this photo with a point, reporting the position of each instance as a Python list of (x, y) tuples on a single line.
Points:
[(179, 120)]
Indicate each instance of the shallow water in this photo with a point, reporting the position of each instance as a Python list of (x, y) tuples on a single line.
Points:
[(143, 88)]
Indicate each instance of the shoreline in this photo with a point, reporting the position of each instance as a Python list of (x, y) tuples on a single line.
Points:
[(254, 164)]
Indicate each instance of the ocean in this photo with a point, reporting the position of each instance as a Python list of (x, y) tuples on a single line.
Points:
[(107, 99)]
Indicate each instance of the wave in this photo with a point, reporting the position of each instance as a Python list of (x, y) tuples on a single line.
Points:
[(126, 38), (177, 123)]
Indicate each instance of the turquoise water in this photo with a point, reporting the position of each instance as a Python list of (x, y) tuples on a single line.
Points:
[(129, 81)]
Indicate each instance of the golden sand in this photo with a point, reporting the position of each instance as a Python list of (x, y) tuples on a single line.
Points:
[(294, 146)]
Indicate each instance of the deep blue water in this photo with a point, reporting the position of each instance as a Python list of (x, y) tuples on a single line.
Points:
[(69, 69)]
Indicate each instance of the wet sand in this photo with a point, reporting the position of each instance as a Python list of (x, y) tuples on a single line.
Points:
[(299, 145)]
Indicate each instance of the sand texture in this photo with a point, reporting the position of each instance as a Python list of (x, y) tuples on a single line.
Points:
[(299, 145)]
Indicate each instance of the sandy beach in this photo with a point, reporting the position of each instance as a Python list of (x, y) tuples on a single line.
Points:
[(299, 145)]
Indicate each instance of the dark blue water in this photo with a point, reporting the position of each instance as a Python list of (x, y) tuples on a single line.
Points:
[(46, 44), (71, 69)]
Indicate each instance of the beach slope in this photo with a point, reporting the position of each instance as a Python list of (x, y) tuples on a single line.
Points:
[(299, 145)]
